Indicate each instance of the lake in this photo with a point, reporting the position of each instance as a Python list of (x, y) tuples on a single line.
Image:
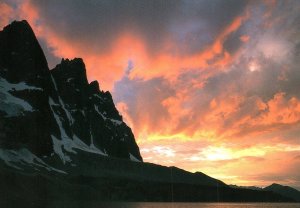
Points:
[(202, 205), (175, 205)]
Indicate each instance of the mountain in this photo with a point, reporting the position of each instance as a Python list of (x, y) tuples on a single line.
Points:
[(55, 111), (246, 187), (284, 191), (63, 140)]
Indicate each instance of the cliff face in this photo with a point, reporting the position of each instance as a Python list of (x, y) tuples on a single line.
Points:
[(55, 113)]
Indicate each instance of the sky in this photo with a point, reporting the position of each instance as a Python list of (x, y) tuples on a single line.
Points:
[(205, 85)]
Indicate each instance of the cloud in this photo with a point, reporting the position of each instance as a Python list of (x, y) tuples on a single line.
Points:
[(108, 34), (6, 14), (151, 20), (251, 101), (297, 157)]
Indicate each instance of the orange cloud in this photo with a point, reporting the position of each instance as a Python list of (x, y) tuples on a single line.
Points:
[(282, 110), (171, 66), (245, 38), (6, 14), (278, 113), (110, 66)]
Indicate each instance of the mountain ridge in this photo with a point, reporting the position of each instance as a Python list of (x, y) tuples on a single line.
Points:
[(284, 191)]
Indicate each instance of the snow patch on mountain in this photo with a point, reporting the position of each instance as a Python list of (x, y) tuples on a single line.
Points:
[(79, 144), (23, 157), (114, 121), (61, 147), (11, 105), (16, 86), (67, 144), (133, 158), (62, 104)]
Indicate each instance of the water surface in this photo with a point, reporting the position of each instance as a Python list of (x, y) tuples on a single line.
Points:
[(177, 205), (207, 205)]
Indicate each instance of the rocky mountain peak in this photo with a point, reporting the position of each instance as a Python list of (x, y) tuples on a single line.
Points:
[(55, 112), (75, 64), (21, 53), (71, 71), (94, 87)]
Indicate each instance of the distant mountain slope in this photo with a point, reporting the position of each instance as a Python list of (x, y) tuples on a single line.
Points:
[(247, 187), (98, 178), (284, 191)]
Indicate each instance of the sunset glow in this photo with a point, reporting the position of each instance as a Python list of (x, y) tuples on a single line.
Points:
[(209, 86)]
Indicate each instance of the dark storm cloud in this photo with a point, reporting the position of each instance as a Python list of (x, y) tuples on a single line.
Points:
[(233, 42), (99, 23)]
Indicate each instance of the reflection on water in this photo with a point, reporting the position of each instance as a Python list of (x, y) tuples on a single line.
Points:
[(207, 205), (85, 204)]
